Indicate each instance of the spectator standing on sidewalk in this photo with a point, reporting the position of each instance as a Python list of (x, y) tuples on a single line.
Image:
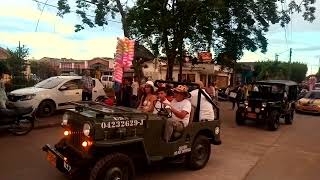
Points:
[(126, 93), (3, 96), (87, 86)]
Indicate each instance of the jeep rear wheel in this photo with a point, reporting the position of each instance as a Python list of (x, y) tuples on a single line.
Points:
[(239, 119), (273, 121), (115, 166), (289, 117), (200, 153)]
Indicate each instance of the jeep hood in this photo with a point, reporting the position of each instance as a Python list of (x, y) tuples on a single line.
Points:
[(28, 90)]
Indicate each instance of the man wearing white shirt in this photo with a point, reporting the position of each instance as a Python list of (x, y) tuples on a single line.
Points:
[(206, 108), (180, 107)]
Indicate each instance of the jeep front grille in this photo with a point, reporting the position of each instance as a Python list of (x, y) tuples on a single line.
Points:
[(76, 138)]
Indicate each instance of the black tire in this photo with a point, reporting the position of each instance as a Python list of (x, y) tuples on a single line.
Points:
[(18, 129), (289, 117), (239, 119), (113, 166), (200, 153), (273, 121), (46, 108)]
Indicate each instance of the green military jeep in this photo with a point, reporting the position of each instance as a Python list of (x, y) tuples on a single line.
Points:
[(108, 141), (274, 99)]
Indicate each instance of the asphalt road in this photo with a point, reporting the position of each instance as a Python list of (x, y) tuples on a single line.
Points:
[(248, 152)]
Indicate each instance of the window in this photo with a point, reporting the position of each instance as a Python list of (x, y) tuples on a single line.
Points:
[(73, 84), (191, 78)]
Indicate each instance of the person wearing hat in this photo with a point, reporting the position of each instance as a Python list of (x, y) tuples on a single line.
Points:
[(148, 98), (206, 108), (180, 107)]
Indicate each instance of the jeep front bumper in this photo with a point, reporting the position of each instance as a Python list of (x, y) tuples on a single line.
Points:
[(57, 160)]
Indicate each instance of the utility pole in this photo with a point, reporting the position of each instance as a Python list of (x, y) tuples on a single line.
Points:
[(276, 57), (289, 71)]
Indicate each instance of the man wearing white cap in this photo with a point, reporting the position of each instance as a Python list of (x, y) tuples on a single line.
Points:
[(180, 108)]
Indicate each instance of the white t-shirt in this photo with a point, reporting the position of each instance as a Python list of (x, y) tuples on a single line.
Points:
[(158, 105), (135, 87), (183, 105), (206, 108)]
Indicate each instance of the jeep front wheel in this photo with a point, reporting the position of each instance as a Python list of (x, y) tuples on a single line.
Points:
[(273, 121), (200, 153), (239, 118), (115, 166)]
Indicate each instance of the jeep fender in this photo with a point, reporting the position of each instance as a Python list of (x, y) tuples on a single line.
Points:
[(214, 139)]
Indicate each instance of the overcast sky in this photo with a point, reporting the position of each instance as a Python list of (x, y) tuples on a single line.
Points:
[(55, 37)]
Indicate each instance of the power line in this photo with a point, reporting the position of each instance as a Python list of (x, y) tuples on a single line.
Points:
[(41, 15), (46, 4)]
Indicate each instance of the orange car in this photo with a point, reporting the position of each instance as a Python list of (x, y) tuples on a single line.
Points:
[(309, 103)]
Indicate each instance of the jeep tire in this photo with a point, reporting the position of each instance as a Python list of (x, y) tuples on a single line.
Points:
[(273, 121), (113, 166), (239, 119), (289, 117), (200, 153)]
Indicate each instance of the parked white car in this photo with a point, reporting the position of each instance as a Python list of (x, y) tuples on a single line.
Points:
[(52, 94), (106, 80)]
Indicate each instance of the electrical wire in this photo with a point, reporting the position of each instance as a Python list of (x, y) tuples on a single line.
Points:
[(44, 3)]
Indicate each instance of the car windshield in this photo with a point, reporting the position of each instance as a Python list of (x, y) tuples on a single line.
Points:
[(49, 83), (312, 95)]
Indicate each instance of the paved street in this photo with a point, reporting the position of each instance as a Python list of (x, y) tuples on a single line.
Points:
[(249, 152)]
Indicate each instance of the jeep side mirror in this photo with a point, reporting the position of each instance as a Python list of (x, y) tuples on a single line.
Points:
[(62, 88)]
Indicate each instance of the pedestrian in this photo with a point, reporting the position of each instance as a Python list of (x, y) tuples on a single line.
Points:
[(135, 87), (87, 86), (126, 93), (3, 96)]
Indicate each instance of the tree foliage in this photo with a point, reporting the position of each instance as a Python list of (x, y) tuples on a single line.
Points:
[(16, 60), (227, 26), (42, 69), (3, 68), (279, 70)]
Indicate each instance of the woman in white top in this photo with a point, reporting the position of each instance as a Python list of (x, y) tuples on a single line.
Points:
[(146, 103), (3, 96)]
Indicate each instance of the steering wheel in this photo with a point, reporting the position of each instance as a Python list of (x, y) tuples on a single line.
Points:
[(162, 111)]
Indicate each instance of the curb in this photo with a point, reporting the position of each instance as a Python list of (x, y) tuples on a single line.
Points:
[(48, 125)]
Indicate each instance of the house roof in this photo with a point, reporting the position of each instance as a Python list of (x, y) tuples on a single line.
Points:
[(4, 54)]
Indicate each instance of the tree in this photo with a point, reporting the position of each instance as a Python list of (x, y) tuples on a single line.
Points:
[(3, 68), (279, 70), (16, 60), (228, 26), (42, 69)]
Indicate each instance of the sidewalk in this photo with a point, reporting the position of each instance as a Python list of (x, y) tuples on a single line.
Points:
[(53, 121)]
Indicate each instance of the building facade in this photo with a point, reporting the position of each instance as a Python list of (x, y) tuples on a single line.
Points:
[(207, 73)]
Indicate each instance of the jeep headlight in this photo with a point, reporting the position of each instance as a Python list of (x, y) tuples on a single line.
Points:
[(217, 130), (27, 97), (86, 129), (65, 119), (264, 104)]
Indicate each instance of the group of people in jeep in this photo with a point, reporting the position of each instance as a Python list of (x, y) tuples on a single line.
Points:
[(179, 101)]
